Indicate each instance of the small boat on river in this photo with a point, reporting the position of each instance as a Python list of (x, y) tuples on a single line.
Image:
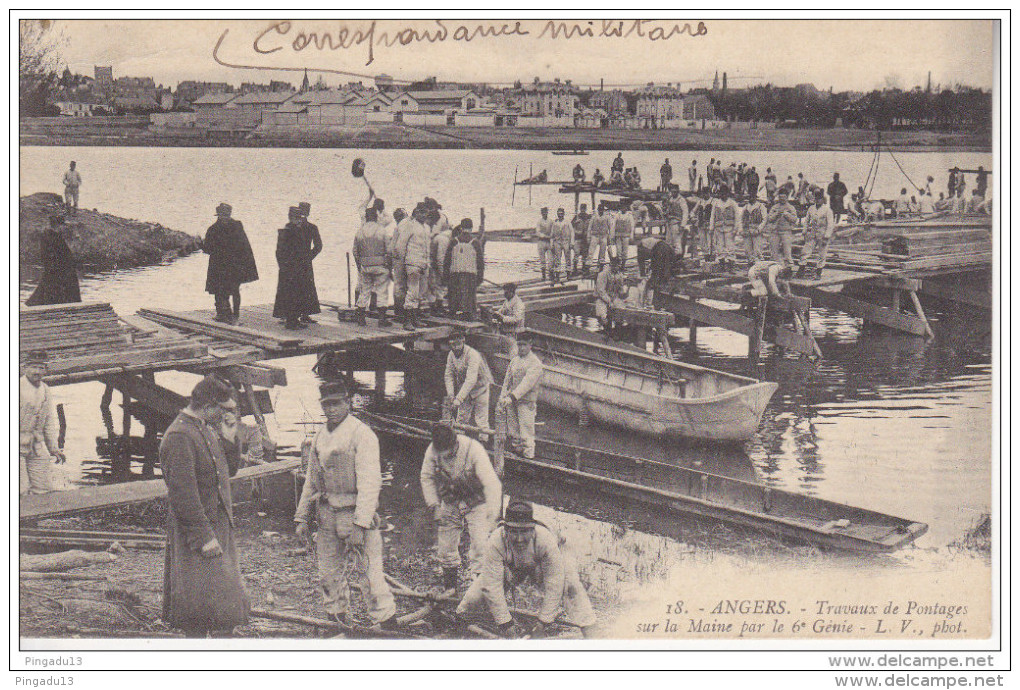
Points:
[(679, 489), (575, 152), (621, 385)]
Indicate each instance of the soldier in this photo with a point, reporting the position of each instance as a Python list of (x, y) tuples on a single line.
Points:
[(726, 218), (231, 263), (523, 552), (202, 587), (543, 238), (515, 410), (37, 429), (598, 235), (370, 244), (72, 183), (755, 217), (781, 221), (623, 232), (467, 380), (465, 270), (580, 224), (818, 230), (561, 234), (296, 296), (415, 241), (342, 490), (462, 490), (677, 217)]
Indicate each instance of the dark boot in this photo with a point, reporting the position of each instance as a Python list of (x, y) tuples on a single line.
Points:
[(449, 579), (372, 308), (409, 324), (384, 321), (359, 316)]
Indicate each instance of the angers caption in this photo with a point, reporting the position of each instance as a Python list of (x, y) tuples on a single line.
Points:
[(822, 617)]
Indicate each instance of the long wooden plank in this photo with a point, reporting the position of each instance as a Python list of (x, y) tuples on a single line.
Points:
[(70, 307), (733, 321), (643, 317), (88, 498), (562, 302), (130, 357), (239, 334), (869, 312)]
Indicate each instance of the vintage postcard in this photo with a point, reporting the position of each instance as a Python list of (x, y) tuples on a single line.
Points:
[(552, 333)]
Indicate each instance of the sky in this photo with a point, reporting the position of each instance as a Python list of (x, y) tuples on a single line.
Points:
[(844, 54)]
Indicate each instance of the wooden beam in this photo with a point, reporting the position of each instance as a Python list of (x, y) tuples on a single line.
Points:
[(869, 311), (34, 507), (642, 317), (570, 300), (247, 336), (733, 321), (261, 375)]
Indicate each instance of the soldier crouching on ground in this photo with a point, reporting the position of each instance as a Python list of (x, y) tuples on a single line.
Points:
[(522, 551), (342, 487)]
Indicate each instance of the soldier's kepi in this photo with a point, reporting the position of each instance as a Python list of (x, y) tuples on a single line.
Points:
[(342, 490)]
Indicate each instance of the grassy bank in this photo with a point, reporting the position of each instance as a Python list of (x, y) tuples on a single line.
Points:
[(56, 133), (99, 241)]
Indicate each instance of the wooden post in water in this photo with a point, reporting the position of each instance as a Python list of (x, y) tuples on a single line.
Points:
[(481, 220), (896, 300), (380, 386), (531, 176), (120, 465), (755, 339), (692, 339)]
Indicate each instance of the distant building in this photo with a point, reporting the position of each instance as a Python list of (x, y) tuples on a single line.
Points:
[(557, 100), (216, 111), (255, 104), (611, 102), (443, 101), (698, 107), (190, 91), (384, 83), (103, 76), (660, 102)]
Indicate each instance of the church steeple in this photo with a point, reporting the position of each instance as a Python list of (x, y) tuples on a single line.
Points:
[(304, 82), (715, 82)]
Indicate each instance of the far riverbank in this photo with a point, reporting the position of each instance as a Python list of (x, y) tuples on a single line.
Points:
[(55, 132)]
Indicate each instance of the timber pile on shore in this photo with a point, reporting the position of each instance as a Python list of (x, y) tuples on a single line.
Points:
[(99, 241)]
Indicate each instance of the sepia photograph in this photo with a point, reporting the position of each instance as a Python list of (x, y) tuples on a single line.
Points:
[(558, 333)]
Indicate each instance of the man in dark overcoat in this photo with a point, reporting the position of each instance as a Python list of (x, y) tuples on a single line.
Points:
[(312, 231), (59, 282), (231, 263), (202, 588), (296, 247)]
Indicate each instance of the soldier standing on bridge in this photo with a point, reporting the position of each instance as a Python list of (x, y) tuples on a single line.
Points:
[(37, 429), (296, 296), (231, 263)]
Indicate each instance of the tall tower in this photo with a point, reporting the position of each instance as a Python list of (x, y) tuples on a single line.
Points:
[(928, 88), (715, 82), (724, 82), (305, 86)]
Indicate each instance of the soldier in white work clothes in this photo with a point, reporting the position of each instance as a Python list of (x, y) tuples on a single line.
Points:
[(342, 490), (463, 491)]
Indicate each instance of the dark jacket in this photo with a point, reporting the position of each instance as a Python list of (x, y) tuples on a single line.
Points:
[(199, 593), (297, 245), (59, 282), (231, 261)]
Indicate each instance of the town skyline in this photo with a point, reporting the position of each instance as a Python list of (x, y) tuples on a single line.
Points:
[(964, 55)]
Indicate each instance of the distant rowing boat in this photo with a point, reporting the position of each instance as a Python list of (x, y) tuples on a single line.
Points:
[(665, 486), (620, 385), (575, 152)]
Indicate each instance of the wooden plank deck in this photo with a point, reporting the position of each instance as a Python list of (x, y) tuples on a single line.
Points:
[(259, 328), (59, 503)]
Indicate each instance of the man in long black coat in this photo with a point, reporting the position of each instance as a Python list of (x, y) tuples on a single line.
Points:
[(59, 282), (231, 263), (202, 587), (296, 247)]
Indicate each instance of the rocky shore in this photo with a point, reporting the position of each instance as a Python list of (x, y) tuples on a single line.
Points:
[(99, 241)]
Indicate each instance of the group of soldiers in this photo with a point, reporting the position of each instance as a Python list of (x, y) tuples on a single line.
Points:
[(460, 482)]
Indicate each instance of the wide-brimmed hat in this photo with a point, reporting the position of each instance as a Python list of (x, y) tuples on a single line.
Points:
[(333, 390), (224, 209), (519, 514), (305, 208)]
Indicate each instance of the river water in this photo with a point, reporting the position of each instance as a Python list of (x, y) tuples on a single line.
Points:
[(887, 422)]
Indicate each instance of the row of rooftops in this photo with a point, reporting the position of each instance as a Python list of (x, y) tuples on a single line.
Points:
[(340, 97)]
